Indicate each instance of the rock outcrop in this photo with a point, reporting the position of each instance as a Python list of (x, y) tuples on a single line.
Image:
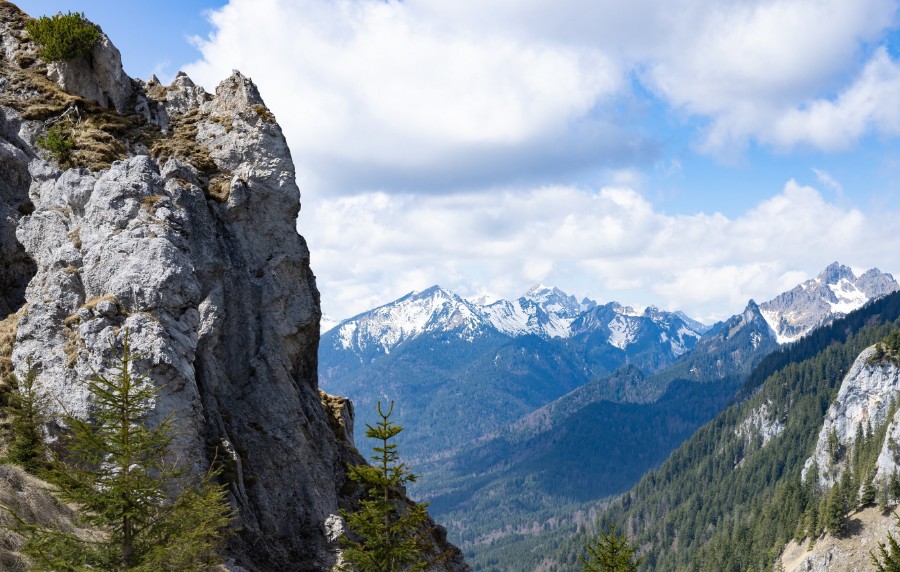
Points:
[(174, 220), (864, 398), (99, 78)]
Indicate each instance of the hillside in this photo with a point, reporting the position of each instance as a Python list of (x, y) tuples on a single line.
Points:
[(560, 461), (734, 493)]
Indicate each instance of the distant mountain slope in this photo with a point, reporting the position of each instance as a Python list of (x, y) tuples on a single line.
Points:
[(733, 493), (835, 292), (519, 410), (595, 441), (466, 369)]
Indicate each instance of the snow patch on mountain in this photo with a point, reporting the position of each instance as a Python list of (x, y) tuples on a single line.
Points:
[(410, 316), (835, 292), (523, 316), (543, 311), (622, 331), (848, 296)]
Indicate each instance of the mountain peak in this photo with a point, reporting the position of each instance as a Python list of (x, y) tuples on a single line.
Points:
[(834, 292), (835, 272), (553, 300)]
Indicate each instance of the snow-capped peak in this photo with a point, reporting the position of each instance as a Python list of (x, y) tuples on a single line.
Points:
[(834, 292), (553, 300), (417, 312)]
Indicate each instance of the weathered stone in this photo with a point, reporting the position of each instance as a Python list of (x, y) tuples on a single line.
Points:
[(864, 397), (99, 78), (196, 256)]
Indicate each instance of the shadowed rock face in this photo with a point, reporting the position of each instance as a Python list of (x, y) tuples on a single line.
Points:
[(16, 267), (188, 243)]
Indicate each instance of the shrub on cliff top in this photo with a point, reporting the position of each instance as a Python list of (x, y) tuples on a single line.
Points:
[(63, 36)]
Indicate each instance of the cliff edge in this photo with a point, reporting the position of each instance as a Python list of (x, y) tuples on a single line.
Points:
[(172, 216)]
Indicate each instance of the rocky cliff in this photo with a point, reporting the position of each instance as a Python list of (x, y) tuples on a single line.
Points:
[(173, 217), (865, 398)]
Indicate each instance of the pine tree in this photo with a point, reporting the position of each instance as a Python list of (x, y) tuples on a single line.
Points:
[(833, 444), (116, 471), (609, 552), (889, 554), (835, 511), (26, 410), (869, 492), (387, 533)]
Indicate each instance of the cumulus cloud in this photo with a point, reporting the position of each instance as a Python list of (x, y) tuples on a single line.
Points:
[(424, 94), (373, 95), (868, 105), (449, 142), (611, 244)]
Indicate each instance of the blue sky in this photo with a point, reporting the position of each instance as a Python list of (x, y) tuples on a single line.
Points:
[(690, 154)]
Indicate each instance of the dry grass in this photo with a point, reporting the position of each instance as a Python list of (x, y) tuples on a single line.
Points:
[(264, 112), (150, 203), (101, 135), (8, 328), (334, 407), (72, 345), (181, 143), (33, 95), (75, 236), (218, 188), (225, 121), (92, 302), (31, 500)]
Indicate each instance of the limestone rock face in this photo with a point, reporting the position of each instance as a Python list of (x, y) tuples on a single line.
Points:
[(189, 244), (864, 397), (16, 267), (99, 79)]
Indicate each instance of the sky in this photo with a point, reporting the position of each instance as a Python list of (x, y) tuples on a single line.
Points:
[(689, 154)]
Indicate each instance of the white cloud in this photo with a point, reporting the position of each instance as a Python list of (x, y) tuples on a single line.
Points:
[(370, 93), (390, 95), (508, 106), (611, 244), (828, 181), (868, 105)]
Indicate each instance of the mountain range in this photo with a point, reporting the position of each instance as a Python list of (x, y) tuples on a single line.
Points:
[(469, 368), (501, 398)]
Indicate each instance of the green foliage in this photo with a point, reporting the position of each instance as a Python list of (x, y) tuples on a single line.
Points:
[(57, 143), (26, 410), (609, 552), (116, 471), (836, 508), (63, 36), (724, 499), (887, 350), (386, 533), (889, 554), (835, 449)]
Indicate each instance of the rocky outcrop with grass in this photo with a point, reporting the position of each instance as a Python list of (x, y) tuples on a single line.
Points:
[(170, 213)]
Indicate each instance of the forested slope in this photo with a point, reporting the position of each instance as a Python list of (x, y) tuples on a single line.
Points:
[(731, 496)]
